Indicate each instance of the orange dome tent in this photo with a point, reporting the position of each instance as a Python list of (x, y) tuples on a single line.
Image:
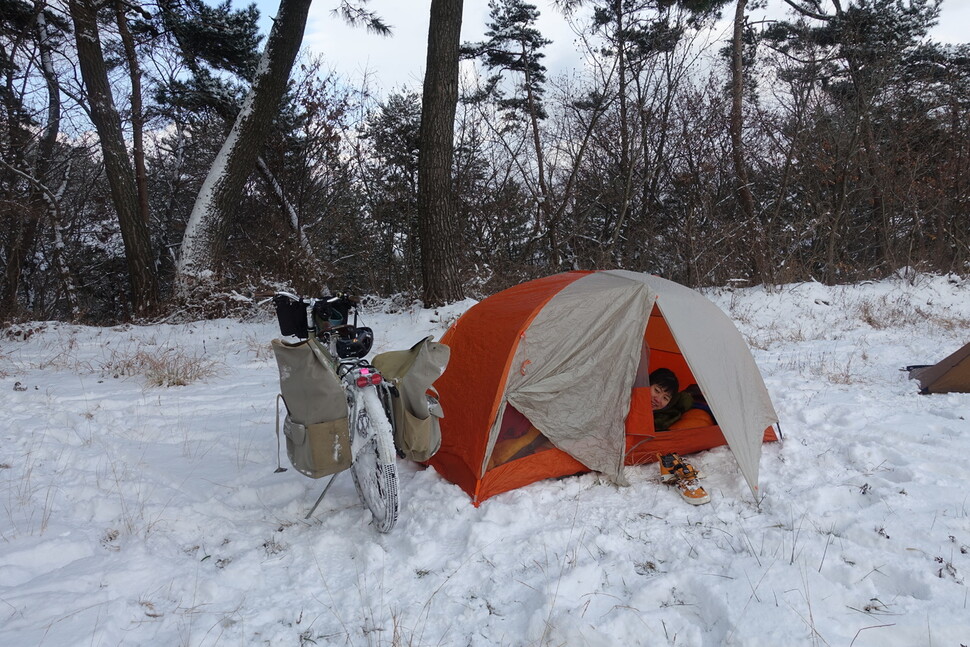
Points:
[(548, 378)]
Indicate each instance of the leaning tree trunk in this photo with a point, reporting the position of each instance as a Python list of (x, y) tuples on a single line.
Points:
[(310, 266), (437, 226), (207, 230), (121, 178)]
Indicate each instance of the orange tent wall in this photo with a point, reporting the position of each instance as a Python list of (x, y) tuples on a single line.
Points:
[(546, 464), (483, 342), (664, 351)]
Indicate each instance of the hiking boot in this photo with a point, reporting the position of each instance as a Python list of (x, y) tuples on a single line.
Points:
[(673, 467), (692, 492), (674, 470)]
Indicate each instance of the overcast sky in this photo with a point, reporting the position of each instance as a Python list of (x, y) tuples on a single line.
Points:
[(398, 61)]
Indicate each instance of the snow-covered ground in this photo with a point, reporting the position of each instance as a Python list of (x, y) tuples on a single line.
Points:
[(133, 514)]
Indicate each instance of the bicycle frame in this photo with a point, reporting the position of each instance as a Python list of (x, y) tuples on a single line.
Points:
[(354, 372)]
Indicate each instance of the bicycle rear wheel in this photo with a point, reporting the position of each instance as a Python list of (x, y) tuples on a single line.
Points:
[(374, 467)]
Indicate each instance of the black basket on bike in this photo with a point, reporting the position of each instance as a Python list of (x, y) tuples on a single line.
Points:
[(354, 341), (333, 316), (332, 313), (291, 314)]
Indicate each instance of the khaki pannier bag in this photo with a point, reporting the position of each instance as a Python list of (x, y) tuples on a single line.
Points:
[(317, 438), (416, 431)]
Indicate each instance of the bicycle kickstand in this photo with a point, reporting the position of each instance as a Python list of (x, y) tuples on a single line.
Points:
[(320, 498)]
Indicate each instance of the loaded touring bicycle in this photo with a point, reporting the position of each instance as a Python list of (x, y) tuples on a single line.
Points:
[(344, 412)]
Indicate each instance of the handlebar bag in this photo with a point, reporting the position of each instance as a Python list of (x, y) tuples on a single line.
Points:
[(317, 437), (291, 316), (416, 431)]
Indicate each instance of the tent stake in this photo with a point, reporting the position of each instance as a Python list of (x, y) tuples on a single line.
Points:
[(322, 494)]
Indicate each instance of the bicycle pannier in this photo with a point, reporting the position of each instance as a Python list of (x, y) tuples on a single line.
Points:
[(317, 438), (416, 430)]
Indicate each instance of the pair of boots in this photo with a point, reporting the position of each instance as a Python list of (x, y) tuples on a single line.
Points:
[(674, 470)]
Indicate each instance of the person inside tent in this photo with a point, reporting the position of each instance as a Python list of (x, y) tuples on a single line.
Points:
[(669, 403), (663, 387), (519, 438), (673, 409)]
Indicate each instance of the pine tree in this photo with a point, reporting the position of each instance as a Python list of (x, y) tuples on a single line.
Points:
[(438, 227), (854, 53), (513, 47)]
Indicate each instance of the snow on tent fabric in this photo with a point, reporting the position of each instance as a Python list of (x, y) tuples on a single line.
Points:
[(548, 378)]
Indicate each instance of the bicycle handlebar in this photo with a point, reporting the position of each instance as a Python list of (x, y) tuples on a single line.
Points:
[(341, 297)]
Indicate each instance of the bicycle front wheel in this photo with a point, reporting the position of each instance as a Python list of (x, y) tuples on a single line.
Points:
[(374, 467)]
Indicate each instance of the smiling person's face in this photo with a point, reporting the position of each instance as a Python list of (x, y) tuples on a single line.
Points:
[(659, 397)]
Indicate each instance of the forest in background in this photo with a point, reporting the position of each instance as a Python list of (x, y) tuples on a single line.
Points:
[(832, 145)]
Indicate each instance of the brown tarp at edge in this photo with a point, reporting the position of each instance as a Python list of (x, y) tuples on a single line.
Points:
[(950, 375)]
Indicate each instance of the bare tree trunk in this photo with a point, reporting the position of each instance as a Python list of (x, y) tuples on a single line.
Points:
[(137, 112), (437, 226), (45, 161), (207, 230), (23, 233), (624, 180), (544, 215), (21, 221), (121, 178), (25, 228), (745, 198), (57, 231)]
